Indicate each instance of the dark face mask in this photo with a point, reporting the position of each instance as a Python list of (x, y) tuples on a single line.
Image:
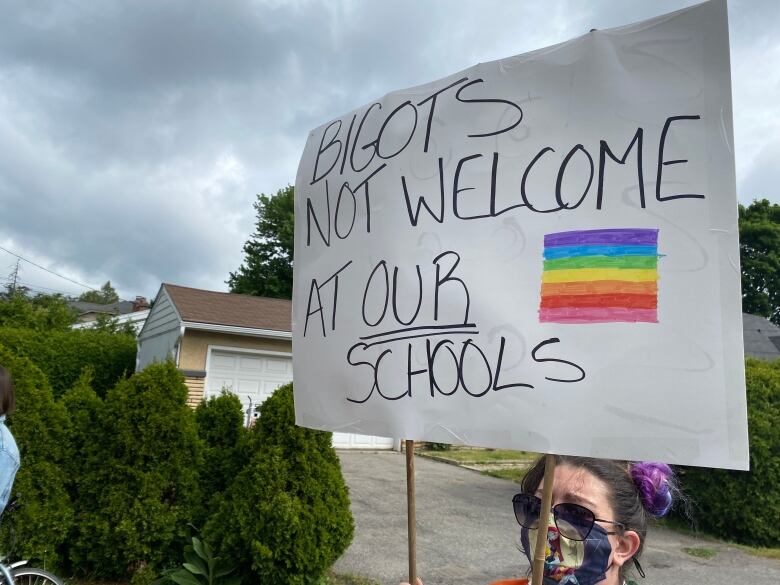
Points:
[(571, 562)]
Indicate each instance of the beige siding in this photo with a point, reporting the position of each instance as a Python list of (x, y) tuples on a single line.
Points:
[(194, 391), (195, 344)]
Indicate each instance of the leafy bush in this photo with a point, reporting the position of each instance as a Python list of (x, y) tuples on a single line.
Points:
[(285, 518), (744, 506), (200, 567), (437, 446), (62, 355), (41, 525), (143, 488)]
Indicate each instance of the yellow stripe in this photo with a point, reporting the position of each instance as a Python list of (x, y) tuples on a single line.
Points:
[(589, 274)]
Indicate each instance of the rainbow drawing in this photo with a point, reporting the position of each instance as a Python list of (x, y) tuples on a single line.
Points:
[(600, 276)]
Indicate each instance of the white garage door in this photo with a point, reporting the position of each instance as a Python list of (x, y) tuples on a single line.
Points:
[(253, 377)]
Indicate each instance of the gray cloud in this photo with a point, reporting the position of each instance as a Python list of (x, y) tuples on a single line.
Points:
[(134, 136)]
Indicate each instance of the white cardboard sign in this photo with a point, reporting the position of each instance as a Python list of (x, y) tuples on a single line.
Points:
[(538, 253)]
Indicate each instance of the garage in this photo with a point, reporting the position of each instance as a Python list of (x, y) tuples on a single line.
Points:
[(254, 375)]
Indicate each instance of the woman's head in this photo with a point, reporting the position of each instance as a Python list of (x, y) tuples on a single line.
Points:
[(7, 396), (627, 495)]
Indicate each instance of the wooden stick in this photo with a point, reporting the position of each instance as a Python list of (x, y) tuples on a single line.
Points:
[(544, 517), (411, 515)]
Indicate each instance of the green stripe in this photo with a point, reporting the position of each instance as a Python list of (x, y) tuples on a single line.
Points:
[(635, 262)]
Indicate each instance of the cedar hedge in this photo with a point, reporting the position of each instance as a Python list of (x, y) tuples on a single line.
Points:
[(286, 518), (142, 487), (62, 355), (220, 425), (744, 506), (39, 528)]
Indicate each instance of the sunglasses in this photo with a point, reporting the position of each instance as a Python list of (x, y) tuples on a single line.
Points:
[(572, 520)]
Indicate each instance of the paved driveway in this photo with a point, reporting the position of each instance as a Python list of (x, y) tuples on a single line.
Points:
[(467, 534)]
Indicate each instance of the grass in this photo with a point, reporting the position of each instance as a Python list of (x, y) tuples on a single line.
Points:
[(472, 455), (760, 551), (700, 552), (516, 474), (348, 579), (679, 525)]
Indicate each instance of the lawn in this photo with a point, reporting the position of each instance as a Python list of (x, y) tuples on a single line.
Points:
[(516, 474), (475, 455)]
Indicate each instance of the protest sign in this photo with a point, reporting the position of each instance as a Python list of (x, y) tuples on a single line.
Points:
[(537, 253)]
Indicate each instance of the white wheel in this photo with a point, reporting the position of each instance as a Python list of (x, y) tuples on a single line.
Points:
[(33, 576)]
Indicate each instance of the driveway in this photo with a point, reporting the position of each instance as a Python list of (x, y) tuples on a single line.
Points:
[(467, 534)]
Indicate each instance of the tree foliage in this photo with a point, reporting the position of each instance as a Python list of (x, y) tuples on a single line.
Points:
[(268, 254), (105, 296), (40, 312), (759, 234)]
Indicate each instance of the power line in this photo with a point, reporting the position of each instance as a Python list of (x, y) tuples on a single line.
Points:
[(47, 270), (39, 287)]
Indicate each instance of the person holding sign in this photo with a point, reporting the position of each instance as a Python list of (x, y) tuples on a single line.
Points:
[(599, 517)]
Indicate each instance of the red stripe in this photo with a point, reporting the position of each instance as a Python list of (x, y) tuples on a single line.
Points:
[(604, 300)]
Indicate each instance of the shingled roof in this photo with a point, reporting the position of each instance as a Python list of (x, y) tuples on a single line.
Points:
[(762, 337), (219, 308)]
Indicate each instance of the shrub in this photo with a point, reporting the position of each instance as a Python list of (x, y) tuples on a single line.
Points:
[(437, 446), (744, 506), (220, 424), (143, 488), (84, 443), (62, 355), (38, 425), (285, 518)]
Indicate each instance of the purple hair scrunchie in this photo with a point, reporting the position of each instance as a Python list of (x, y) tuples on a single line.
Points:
[(652, 480)]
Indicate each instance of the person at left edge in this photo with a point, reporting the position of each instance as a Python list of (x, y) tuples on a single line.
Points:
[(9, 452)]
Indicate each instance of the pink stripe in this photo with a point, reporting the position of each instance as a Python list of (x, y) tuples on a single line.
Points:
[(597, 315)]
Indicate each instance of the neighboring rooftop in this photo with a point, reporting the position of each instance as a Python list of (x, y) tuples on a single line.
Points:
[(220, 308), (118, 308), (762, 337)]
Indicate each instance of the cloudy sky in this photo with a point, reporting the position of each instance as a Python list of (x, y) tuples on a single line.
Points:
[(134, 136)]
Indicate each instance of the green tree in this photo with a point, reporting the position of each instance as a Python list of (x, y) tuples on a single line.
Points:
[(40, 312), (110, 324), (268, 254), (105, 296), (759, 235)]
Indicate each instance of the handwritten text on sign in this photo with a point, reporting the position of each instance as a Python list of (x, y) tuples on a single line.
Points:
[(535, 253)]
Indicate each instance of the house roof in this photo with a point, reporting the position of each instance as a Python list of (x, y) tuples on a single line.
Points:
[(762, 337), (219, 308), (117, 308)]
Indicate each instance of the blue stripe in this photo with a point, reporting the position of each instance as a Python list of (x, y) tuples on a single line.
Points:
[(569, 251)]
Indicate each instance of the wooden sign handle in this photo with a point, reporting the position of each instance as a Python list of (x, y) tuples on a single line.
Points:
[(410, 512), (544, 516)]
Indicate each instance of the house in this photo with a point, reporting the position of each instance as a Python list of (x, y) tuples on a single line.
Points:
[(761, 337), (224, 341), (136, 319), (88, 312)]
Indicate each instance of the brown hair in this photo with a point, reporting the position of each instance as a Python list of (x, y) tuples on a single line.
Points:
[(624, 497), (7, 396)]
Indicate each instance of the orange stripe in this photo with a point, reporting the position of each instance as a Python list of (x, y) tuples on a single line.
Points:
[(618, 300), (599, 287)]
